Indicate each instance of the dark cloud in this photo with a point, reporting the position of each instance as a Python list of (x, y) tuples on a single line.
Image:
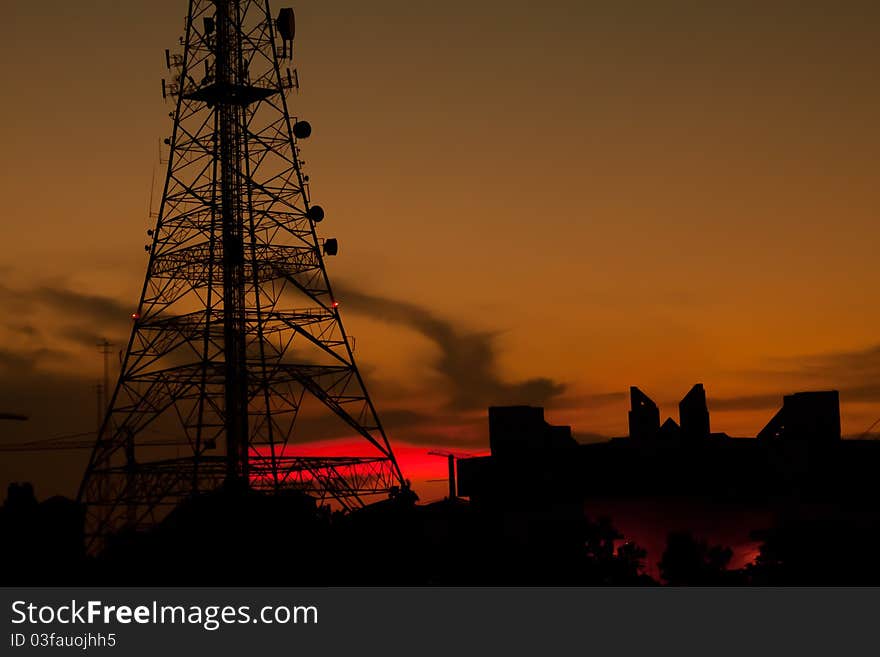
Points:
[(746, 402), (855, 374), (98, 310), (468, 359), (868, 392), (590, 400), (24, 329), (22, 361), (83, 335), (467, 362), (65, 403), (844, 366), (30, 383), (79, 317), (15, 361), (454, 430)]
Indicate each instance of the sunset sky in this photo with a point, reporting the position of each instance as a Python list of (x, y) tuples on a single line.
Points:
[(536, 203)]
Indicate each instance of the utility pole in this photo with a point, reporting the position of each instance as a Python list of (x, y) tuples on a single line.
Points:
[(450, 461)]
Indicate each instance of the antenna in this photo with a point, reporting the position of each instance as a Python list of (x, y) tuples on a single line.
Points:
[(237, 325), (152, 192), (100, 409), (286, 24), (104, 348)]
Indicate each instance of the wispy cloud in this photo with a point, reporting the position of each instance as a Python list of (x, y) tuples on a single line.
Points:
[(746, 402), (847, 366), (590, 400), (98, 310), (80, 317), (468, 359), (467, 362), (855, 373)]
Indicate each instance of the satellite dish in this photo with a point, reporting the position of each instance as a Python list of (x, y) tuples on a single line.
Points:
[(286, 24), (302, 129)]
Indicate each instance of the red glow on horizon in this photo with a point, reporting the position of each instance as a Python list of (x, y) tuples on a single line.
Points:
[(428, 474)]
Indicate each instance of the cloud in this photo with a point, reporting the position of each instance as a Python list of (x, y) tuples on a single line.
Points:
[(99, 310), (590, 400), (26, 330), (852, 365), (746, 402), (854, 373), (20, 361), (15, 361), (56, 404), (83, 335), (62, 400), (468, 359), (79, 317)]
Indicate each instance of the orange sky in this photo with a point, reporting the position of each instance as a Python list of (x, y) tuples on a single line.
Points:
[(598, 194)]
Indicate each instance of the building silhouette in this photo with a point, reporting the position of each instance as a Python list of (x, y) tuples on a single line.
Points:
[(799, 453), (525, 514)]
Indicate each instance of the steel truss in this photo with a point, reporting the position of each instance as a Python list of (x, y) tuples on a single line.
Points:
[(237, 323)]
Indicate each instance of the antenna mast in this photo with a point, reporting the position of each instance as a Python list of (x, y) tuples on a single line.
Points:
[(237, 325)]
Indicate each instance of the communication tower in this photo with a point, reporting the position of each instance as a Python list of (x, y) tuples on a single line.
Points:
[(237, 324)]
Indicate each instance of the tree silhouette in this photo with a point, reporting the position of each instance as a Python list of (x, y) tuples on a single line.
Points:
[(688, 561)]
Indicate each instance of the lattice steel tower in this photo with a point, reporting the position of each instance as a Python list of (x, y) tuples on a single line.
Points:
[(237, 324)]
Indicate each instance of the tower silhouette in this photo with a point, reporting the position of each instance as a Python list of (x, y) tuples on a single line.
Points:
[(237, 325)]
